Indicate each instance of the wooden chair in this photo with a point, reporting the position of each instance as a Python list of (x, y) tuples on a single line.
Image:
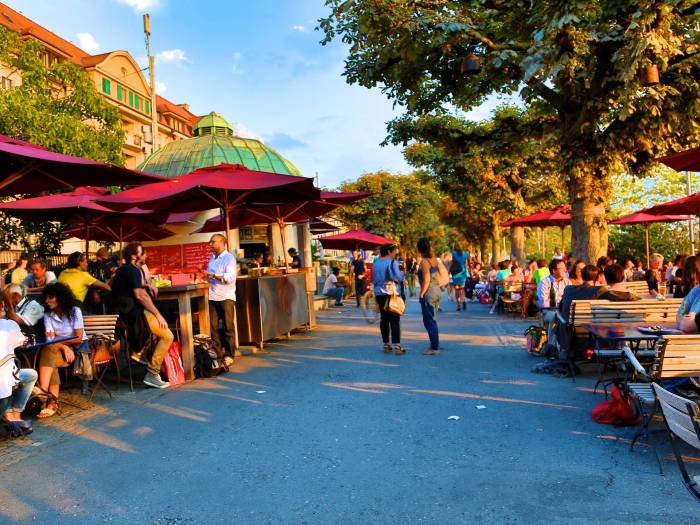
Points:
[(512, 297), (675, 356), (102, 328), (682, 420), (638, 287)]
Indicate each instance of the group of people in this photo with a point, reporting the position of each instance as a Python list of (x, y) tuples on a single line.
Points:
[(44, 308)]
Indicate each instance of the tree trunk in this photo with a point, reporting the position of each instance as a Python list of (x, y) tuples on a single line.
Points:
[(482, 250), (587, 223), (495, 243), (517, 243)]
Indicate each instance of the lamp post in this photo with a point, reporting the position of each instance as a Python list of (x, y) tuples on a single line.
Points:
[(152, 77)]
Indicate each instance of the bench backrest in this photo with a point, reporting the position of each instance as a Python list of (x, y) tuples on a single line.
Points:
[(677, 356), (682, 416), (101, 324), (646, 310), (638, 287), (581, 310)]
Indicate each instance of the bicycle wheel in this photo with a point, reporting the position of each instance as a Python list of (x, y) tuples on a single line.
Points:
[(369, 307)]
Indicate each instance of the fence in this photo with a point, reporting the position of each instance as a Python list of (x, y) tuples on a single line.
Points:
[(10, 256)]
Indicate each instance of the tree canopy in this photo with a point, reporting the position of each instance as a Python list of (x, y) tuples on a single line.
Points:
[(582, 60), (59, 108)]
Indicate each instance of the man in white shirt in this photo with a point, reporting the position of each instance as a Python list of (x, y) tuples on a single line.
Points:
[(332, 288), (25, 311), (549, 294), (221, 274)]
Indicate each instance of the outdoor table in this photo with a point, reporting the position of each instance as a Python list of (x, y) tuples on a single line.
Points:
[(623, 332), (183, 294)]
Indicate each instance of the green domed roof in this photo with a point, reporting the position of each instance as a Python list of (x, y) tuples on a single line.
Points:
[(214, 143)]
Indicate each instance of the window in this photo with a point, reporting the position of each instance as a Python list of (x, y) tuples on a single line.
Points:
[(120, 93), (137, 102), (6, 83), (131, 98), (106, 86), (148, 106)]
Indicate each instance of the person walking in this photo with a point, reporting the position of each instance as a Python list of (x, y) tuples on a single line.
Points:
[(411, 268), (426, 273), (360, 275), (386, 270), (458, 270)]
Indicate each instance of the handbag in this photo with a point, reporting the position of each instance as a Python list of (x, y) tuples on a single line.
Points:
[(395, 304), (174, 371)]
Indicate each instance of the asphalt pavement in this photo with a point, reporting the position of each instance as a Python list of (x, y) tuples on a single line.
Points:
[(324, 428)]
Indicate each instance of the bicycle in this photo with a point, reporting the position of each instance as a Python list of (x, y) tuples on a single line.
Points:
[(369, 307)]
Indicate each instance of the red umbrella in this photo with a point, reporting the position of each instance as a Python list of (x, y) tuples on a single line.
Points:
[(559, 217), (28, 168), (319, 226), (79, 209), (688, 160), (225, 186), (354, 239), (120, 229), (643, 217)]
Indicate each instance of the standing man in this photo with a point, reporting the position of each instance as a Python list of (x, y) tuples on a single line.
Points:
[(358, 270), (296, 260), (411, 268), (221, 273), (133, 303)]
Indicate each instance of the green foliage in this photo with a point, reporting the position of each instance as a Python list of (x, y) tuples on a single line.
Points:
[(402, 207), (59, 108), (582, 60)]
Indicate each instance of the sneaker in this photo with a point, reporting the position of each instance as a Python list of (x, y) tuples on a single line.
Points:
[(155, 381), (136, 356)]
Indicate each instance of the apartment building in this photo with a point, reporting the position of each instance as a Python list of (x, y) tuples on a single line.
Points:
[(118, 77)]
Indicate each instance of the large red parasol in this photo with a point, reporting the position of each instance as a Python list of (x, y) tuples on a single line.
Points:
[(643, 217), (28, 168), (559, 217), (688, 160), (354, 239), (78, 209), (225, 186)]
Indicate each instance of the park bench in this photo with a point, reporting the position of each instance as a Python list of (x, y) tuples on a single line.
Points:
[(682, 421), (638, 287), (646, 311), (675, 356)]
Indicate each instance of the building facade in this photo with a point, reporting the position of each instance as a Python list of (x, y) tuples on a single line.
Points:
[(119, 79)]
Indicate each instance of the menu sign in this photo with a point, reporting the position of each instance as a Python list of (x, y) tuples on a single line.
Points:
[(165, 258), (196, 256)]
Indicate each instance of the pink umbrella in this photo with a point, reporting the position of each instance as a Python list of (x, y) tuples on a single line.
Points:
[(354, 239), (688, 160), (28, 168), (643, 217), (559, 217)]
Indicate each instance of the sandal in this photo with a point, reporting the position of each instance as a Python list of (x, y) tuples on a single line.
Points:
[(387, 348), (431, 351), (47, 411), (399, 350)]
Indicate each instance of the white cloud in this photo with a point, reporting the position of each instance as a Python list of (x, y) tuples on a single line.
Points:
[(298, 28), (88, 43), (236, 55), (172, 56), (161, 87), (140, 5), (241, 130), (236, 69)]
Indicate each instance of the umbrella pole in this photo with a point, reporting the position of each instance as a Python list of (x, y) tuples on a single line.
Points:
[(283, 236), (544, 245), (563, 251), (646, 236)]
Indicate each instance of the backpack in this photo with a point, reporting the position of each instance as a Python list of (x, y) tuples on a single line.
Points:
[(618, 410), (535, 339), (208, 357)]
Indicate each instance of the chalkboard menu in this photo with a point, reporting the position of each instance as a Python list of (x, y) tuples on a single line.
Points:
[(196, 256), (165, 258)]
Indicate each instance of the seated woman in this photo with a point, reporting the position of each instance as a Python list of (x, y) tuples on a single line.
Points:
[(77, 278), (63, 318), (12, 403)]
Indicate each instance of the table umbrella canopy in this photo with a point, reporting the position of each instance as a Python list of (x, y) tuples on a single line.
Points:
[(559, 217), (354, 239), (320, 226), (223, 186), (689, 205), (28, 168), (300, 211), (688, 160), (646, 218), (117, 228)]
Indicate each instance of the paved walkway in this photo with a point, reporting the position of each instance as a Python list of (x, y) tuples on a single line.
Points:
[(325, 428)]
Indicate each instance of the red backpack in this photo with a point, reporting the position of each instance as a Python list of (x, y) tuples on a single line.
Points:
[(618, 410)]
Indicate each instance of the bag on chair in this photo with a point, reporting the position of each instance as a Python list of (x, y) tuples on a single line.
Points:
[(174, 371)]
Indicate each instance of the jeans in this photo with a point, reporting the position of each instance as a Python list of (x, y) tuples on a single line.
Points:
[(337, 294), (360, 285), (411, 278), (428, 311), (165, 339), (548, 318), (389, 322), (18, 400), (226, 311)]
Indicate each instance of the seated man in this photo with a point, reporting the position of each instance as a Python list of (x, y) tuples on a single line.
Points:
[(12, 403), (134, 305), (332, 288), (550, 291), (27, 312), (617, 291), (76, 277), (39, 277)]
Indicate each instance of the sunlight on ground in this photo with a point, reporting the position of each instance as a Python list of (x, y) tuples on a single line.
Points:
[(173, 411), (509, 382), (341, 359)]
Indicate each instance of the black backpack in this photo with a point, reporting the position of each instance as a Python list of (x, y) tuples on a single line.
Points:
[(208, 357)]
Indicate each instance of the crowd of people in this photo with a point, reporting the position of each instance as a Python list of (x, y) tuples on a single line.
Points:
[(44, 312)]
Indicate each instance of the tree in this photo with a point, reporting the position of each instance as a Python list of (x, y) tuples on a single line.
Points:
[(581, 59), (401, 207), (59, 108)]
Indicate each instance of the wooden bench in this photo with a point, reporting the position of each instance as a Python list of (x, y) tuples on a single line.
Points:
[(682, 420), (646, 311), (638, 287), (675, 356)]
